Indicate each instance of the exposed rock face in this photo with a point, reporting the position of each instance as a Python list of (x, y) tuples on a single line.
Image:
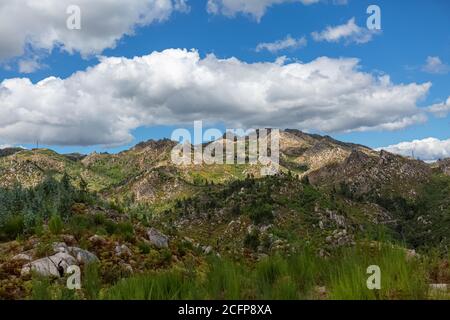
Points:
[(156, 185), (444, 166), (378, 174), (158, 239), (315, 151), (158, 146)]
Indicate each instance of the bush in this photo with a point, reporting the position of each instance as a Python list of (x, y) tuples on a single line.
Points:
[(13, 227), (55, 224), (261, 213), (125, 230), (144, 248)]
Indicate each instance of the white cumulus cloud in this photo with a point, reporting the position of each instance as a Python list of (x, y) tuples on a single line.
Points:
[(287, 43), (103, 104), (42, 25), (436, 66), (440, 109), (254, 8), (430, 149), (350, 32)]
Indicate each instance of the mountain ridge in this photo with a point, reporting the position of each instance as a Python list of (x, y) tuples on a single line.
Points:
[(136, 212)]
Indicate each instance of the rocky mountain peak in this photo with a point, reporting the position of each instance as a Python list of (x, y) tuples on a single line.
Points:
[(154, 144)]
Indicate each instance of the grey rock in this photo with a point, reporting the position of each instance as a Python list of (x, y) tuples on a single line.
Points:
[(68, 238), (436, 287), (157, 238), (83, 256), (22, 257), (97, 240), (48, 266), (59, 247), (122, 250), (207, 250)]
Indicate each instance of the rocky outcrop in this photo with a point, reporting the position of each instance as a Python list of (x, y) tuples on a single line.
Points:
[(82, 256), (159, 184), (444, 166), (374, 174), (57, 264), (158, 239), (53, 266), (22, 257)]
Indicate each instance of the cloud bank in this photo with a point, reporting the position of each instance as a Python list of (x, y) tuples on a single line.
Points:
[(430, 149), (103, 104)]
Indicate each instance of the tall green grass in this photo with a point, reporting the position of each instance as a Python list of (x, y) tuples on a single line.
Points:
[(158, 286), (401, 278), (91, 281), (344, 276), (41, 289), (224, 280)]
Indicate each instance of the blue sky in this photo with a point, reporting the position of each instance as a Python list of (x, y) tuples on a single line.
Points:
[(412, 32)]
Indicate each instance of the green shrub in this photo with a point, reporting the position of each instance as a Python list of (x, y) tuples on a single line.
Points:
[(144, 248), (261, 213), (13, 227), (55, 224), (125, 230), (44, 249)]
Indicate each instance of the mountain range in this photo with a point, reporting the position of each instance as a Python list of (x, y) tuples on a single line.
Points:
[(136, 211)]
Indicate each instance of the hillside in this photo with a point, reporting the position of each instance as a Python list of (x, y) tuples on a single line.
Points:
[(134, 217)]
